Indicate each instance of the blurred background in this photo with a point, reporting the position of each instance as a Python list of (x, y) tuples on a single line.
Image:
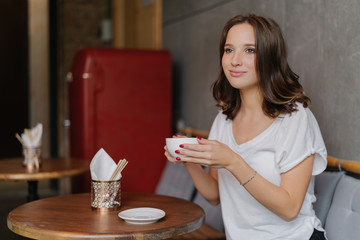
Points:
[(39, 39)]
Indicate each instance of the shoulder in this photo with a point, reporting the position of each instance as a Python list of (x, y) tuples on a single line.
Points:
[(300, 115), (302, 120), (220, 117)]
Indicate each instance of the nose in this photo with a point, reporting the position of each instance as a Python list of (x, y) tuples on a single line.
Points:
[(236, 59)]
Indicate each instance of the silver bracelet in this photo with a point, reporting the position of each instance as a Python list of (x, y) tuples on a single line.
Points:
[(243, 184)]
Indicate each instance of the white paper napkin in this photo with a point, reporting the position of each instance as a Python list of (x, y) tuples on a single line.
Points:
[(32, 137), (102, 167)]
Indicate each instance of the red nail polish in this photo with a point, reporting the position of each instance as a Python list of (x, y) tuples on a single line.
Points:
[(177, 151), (174, 135), (178, 158), (181, 145), (198, 137)]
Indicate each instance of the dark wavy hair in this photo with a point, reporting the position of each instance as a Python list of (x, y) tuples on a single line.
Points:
[(278, 84)]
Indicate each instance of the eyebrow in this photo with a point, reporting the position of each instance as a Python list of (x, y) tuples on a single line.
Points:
[(246, 44)]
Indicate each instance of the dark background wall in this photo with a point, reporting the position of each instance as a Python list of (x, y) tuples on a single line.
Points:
[(14, 75)]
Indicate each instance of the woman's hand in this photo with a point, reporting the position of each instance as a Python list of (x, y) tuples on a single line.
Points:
[(168, 155), (208, 153)]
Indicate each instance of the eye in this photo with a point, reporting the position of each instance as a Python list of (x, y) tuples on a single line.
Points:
[(250, 50), (228, 50)]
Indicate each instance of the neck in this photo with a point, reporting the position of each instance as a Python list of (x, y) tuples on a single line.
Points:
[(251, 101)]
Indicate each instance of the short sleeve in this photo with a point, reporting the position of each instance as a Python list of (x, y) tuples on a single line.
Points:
[(217, 126), (300, 138)]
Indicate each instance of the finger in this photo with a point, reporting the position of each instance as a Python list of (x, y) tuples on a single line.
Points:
[(171, 159), (194, 154), (169, 156), (179, 136), (206, 141), (199, 161), (196, 147)]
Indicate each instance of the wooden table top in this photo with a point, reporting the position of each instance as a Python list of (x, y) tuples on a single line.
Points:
[(71, 217), (12, 169)]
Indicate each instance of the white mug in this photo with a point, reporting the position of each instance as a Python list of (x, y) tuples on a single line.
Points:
[(173, 144)]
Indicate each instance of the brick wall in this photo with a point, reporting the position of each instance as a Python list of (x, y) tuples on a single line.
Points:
[(78, 26)]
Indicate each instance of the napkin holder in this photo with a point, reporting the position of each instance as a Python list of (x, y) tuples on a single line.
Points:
[(106, 195), (32, 157)]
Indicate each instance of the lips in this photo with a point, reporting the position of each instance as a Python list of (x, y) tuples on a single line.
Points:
[(236, 73)]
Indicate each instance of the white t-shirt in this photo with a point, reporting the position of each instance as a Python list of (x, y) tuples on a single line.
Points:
[(283, 145)]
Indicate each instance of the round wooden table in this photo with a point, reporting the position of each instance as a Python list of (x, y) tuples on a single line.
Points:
[(71, 217), (51, 168)]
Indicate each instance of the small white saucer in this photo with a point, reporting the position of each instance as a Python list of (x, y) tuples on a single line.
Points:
[(142, 215)]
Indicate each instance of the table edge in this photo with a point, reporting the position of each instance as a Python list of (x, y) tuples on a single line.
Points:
[(42, 175), (31, 176), (50, 234)]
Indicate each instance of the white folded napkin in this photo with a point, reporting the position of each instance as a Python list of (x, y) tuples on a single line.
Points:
[(102, 166), (32, 137)]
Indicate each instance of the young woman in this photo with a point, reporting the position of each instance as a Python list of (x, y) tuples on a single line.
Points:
[(265, 145)]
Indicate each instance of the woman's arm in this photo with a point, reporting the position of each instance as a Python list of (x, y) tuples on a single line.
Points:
[(284, 200), (205, 183)]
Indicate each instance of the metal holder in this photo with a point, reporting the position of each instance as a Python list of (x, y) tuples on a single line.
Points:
[(105, 195), (32, 158)]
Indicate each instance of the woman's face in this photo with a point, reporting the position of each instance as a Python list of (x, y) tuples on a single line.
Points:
[(238, 61)]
